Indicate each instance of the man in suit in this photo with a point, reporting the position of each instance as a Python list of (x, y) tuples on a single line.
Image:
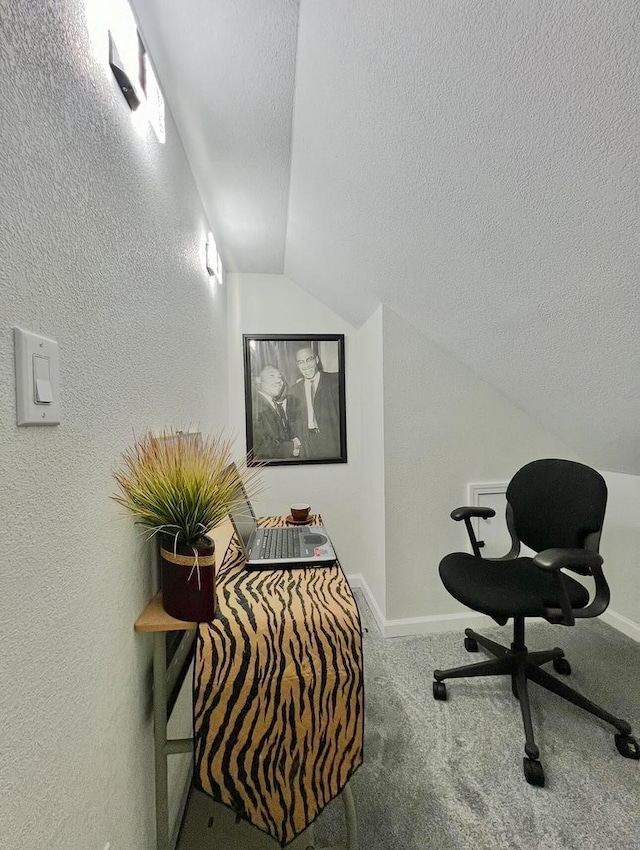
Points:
[(318, 405), (274, 414)]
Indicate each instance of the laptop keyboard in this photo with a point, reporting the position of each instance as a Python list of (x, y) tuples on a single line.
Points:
[(281, 543)]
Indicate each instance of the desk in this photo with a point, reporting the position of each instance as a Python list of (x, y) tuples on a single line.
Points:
[(165, 681)]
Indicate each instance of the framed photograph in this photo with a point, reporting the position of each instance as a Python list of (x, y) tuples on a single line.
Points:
[(294, 399)]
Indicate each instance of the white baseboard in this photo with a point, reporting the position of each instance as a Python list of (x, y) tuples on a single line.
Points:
[(436, 623), (417, 625), (622, 624), (359, 581), (457, 622)]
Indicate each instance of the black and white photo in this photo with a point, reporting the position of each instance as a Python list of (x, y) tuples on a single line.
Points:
[(295, 399)]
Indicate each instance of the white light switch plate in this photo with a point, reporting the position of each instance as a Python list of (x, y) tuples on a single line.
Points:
[(36, 355)]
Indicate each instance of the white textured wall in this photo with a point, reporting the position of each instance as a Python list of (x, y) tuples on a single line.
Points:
[(273, 304), (474, 167), (444, 427), (100, 248), (372, 436), (620, 549), (421, 427)]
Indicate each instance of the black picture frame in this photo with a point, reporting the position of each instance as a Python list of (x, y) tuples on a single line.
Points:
[(289, 433)]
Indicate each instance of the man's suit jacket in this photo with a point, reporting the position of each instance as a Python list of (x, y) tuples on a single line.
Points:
[(270, 437), (326, 407)]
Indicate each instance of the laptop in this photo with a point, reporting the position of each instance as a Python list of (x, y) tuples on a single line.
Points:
[(294, 547)]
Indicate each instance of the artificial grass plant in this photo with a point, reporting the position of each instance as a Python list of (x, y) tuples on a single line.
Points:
[(181, 484)]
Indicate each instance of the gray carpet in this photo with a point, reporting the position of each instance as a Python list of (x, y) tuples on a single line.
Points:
[(448, 775)]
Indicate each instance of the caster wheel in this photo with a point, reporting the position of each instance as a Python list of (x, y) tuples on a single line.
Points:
[(562, 666), (533, 772), (471, 644), (439, 690), (628, 746)]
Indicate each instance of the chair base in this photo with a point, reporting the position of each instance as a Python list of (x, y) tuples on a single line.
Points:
[(523, 666)]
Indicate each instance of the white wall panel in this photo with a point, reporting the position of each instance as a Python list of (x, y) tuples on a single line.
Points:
[(101, 249), (620, 548), (273, 304), (444, 427)]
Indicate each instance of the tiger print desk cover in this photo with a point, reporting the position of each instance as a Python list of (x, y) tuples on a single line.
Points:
[(278, 693)]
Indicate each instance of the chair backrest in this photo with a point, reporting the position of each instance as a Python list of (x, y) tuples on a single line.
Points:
[(557, 503)]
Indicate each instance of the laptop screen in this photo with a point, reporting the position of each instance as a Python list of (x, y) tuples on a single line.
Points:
[(243, 519)]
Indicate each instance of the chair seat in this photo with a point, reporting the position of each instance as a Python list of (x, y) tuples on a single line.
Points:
[(514, 588)]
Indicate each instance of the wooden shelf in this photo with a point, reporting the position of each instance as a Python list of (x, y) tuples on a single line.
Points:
[(155, 619)]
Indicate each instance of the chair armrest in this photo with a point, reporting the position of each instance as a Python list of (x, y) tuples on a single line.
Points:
[(472, 511), (553, 560), (466, 513)]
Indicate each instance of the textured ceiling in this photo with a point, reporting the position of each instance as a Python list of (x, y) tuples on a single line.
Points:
[(474, 166), (227, 69)]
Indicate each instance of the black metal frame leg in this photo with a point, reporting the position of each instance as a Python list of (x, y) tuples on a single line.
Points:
[(494, 648), (530, 746), (546, 680), (544, 656), (494, 667)]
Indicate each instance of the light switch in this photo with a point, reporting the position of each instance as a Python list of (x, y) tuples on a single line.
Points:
[(42, 379), (37, 379)]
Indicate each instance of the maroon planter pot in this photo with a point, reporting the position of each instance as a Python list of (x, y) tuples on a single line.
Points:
[(188, 584)]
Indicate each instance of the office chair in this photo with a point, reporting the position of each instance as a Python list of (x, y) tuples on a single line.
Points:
[(556, 508)]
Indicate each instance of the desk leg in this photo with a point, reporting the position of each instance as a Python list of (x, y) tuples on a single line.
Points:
[(350, 817), (351, 822), (160, 739)]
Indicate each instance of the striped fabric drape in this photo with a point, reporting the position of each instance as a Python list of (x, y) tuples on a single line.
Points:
[(278, 693)]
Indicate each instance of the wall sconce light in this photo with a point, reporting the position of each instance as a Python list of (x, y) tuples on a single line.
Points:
[(212, 258), (132, 68), (124, 80)]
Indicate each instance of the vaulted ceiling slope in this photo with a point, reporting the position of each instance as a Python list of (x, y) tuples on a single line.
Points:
[(227, 70), (474, 166)]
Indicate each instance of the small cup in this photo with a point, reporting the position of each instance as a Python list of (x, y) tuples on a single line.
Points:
[(300, 512)]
